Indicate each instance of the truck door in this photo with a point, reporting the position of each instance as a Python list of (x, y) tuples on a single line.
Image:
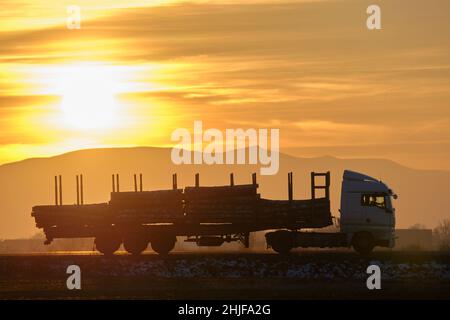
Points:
[(375, 211)]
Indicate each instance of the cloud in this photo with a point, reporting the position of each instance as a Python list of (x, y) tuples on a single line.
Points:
[(310, 67)]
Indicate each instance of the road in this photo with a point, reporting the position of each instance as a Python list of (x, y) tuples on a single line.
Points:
[(311, 274)]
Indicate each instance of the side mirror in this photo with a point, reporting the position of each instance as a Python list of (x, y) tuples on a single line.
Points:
[(395, 196)]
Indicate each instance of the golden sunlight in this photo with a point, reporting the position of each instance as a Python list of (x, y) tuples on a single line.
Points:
[(88, 96)]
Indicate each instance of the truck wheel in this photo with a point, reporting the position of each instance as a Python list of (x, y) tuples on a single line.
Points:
[(282, 248), (363, 243), (135, 244), (281, 241), (163, 245), (107, 245)]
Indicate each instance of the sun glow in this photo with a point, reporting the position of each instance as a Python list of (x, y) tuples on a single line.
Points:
[(88, 96)]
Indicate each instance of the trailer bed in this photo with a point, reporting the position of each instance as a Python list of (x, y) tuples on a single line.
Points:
[(233, 211)]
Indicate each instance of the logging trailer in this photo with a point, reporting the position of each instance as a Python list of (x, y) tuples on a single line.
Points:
[(210, 216)]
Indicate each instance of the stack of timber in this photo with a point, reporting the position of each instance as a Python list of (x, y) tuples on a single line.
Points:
[(147, 206), (314, 213), (217, 204), (230, 204), (72, 215)]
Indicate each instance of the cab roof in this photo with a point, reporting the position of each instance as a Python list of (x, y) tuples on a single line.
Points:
[(356, 176)]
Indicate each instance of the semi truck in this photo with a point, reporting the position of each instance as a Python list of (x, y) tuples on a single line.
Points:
[(213, 215)]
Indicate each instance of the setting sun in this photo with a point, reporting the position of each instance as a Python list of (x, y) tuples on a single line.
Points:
[(88, 97)]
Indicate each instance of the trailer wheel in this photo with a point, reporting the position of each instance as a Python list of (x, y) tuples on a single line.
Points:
[(363, 243), (135, 244), (281, 241), (282, 247), (163, 244), (107, 245)]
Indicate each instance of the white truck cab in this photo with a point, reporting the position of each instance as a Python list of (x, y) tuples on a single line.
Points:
[(367, 218), (367, 214)]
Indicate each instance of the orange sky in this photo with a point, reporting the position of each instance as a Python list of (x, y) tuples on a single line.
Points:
[(310, 68)]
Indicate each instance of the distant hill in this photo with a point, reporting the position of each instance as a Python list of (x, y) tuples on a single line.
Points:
[(423, 194)]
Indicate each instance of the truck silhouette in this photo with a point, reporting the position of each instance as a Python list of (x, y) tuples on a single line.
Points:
[(210, 216)]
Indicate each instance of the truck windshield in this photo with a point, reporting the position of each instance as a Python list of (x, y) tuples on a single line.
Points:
[(373, 200)]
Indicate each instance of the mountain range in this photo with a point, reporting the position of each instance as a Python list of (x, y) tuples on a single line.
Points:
[(423, 194)]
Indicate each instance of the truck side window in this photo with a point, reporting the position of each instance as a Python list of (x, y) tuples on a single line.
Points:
[(373, 200)]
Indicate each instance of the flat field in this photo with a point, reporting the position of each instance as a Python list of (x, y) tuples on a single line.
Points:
[(310, 274)]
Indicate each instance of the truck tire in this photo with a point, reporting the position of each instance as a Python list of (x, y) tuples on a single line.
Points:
[(363, 243), (107, 245), (135, 244), (281, 241), (163, 244)]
